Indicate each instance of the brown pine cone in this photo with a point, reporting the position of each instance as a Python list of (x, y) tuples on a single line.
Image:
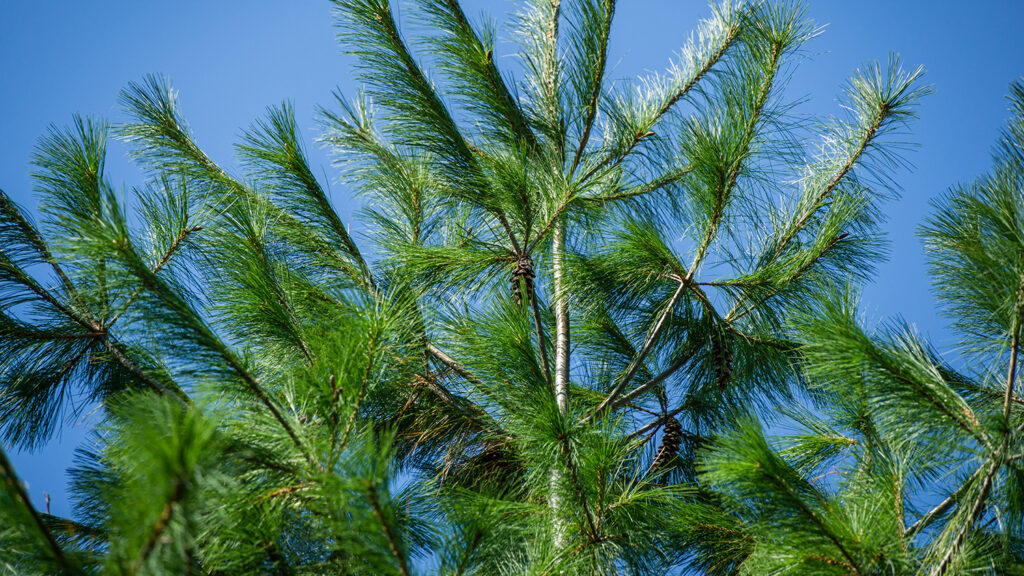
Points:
[(524, 270), (669, 448)]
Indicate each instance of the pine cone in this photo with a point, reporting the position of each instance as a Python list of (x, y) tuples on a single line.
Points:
[(670, 442), (524, 270), (721, 358)]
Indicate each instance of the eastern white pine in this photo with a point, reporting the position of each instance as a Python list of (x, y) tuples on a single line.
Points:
[(583, 295)]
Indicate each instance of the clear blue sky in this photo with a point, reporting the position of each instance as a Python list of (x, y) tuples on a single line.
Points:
[(231, 59)]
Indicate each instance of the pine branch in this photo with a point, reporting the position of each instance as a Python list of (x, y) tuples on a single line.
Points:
[(539, 28), (96, 331), (451, 400), (393, 544), (11, 211), (889, 101), (564, 206), (474, 65), (356, 405), (166, 144), (552, 222), (460, 570), (935, 513), (1011, 371), (724, 194), (865, 141), (966, 420), (275, 142), (806, 510), (28, 282), (726, 42), (976, 511), (257, 390), (733, 316), (978, 507), (575, 479), (423, 110), (634, 366), (14, 486), (703, 67), (176, 496), (608, 7), (164, 259)]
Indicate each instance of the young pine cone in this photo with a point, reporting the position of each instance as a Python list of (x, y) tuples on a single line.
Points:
[(721, 358), (670, 442), (524, 270)]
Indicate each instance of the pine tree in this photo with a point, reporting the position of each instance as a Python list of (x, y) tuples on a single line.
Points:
[(282, 397)]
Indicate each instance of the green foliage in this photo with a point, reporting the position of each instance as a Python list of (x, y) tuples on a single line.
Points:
[(906, 465), (580, 300)]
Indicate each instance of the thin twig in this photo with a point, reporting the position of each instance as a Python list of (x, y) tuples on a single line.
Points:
[(647, 188), (122, 359), (670, 102), (359, 395), (161, 524), (634, 366), (541, 340), (658, 422), (661, 377), (181, 237), (925, 520), (595, 91), (393, 544), (575, 479), (14, 485)]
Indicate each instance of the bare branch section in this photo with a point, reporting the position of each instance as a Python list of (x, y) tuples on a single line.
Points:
[(561, 305)]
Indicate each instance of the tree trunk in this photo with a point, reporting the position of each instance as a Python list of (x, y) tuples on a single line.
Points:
[(561, 380)]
